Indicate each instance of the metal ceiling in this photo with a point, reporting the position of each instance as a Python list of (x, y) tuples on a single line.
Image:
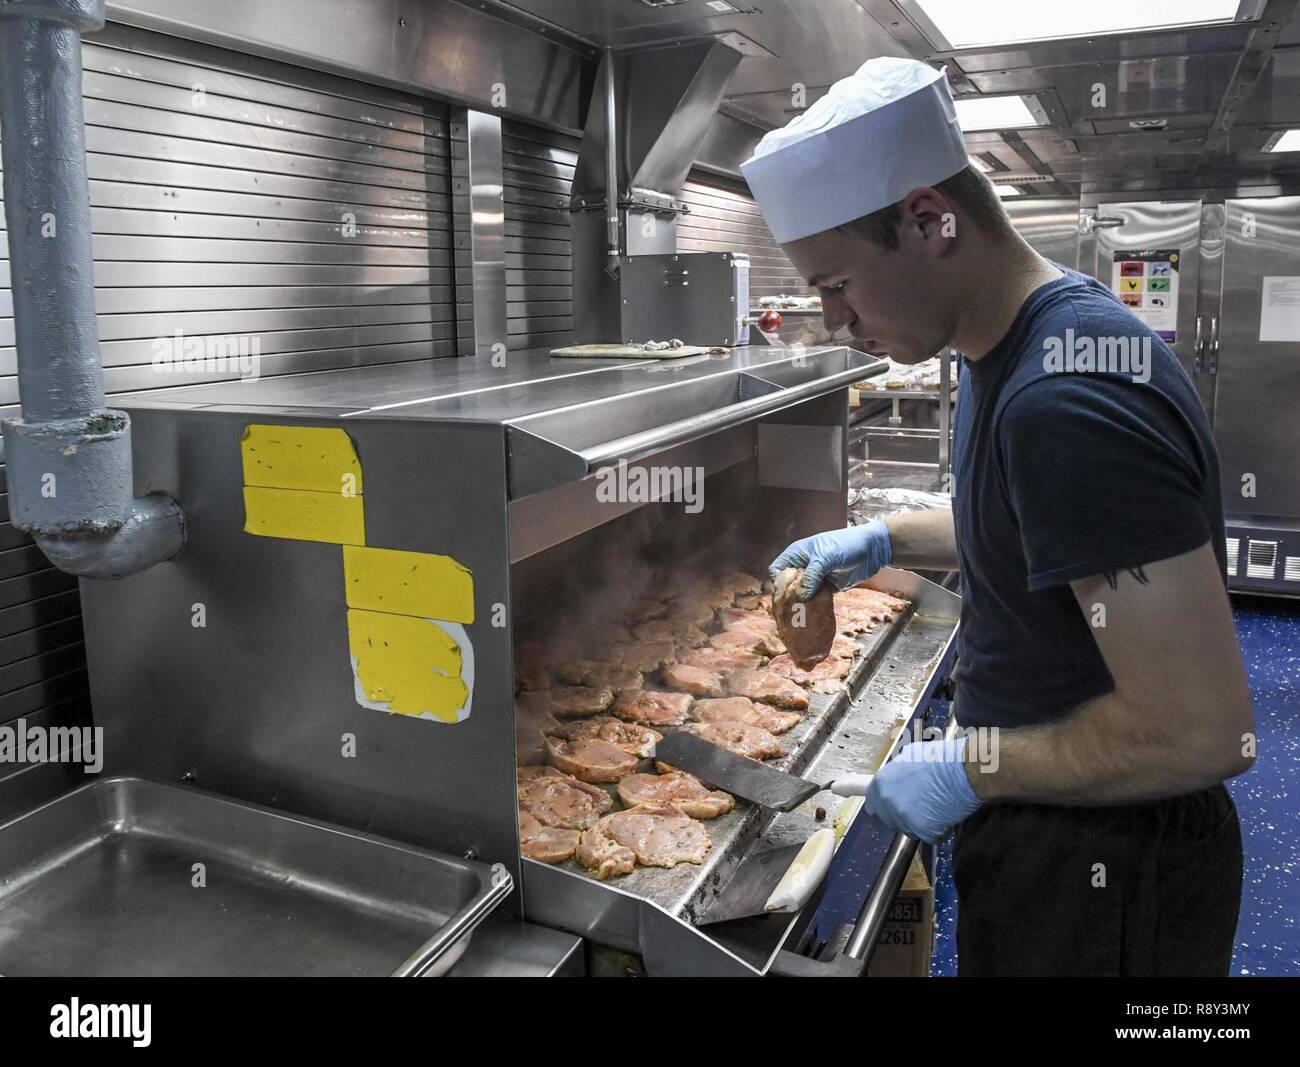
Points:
[(1214, 94)]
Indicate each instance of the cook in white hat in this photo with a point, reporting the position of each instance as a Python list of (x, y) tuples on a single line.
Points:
[(873, 198), (1096, 659)]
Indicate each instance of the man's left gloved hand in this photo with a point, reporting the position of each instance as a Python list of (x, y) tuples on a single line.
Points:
[(924, 791)]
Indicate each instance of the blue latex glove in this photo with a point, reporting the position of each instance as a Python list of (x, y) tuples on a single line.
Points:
[(840, 557), (924, 791)]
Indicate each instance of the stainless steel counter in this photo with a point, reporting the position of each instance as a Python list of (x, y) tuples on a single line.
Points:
[(530, 381)]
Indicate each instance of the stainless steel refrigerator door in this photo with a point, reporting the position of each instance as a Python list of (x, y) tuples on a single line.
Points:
[(1257, 410), (1162, 224)]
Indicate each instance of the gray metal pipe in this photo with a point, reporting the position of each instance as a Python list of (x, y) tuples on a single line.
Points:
[(611, 166), (68, 455)]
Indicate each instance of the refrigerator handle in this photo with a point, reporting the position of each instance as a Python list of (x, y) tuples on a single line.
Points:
[(1196, 348), (1214, 345)]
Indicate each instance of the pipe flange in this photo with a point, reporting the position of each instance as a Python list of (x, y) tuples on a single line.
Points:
[(69, 476), (85, 15)]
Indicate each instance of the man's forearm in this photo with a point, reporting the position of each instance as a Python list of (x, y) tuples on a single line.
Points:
[(1108, 751), (923, 540)]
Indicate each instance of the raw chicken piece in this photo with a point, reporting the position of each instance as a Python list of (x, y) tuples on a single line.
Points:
[(671, 629), (558, 800), (755, 642), (597, 675), (649, 608), (651, 708), (884, 605), (694, 612), (717, 659), (590, 760), (547, 844), (694, 680), (604, 856), (738, 737), (741, 584), (850, 620), (632, 738), (740, 619), (655, 835), (808, 627), (742, 709), (690, 638), (678, 787), (644, 655), (754, 603), (526, 775), (767, 688), (825, 677), (567, 701), (845, 647)]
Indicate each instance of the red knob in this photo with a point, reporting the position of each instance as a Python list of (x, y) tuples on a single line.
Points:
[(769, 321)]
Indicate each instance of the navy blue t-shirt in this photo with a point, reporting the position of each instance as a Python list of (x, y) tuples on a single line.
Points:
[(1064, 471)]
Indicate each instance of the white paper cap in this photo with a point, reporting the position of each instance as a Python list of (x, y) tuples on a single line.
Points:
[(873, 138)]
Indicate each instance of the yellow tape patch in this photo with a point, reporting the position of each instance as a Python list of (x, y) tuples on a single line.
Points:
[(408, 583), (304, 516), (406, 665), (319, 458)]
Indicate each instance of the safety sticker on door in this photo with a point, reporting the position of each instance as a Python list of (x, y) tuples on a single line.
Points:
[(1147, 281)]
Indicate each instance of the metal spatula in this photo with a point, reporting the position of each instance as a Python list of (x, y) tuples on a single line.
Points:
[(748, 778)]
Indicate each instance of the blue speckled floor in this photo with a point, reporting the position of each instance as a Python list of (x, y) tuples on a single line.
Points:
[(1268, 935)]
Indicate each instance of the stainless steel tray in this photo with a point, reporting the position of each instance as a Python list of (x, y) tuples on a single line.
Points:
[(104, 881)]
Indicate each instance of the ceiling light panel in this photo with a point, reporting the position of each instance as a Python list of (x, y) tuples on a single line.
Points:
[(966, 24)]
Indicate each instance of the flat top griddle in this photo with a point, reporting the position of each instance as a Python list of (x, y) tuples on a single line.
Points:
[(837, 734)]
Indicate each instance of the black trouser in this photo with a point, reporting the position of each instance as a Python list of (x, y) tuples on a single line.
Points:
[(1145, 889)]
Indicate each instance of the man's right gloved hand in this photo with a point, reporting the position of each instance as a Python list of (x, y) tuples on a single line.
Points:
[(840, 557)]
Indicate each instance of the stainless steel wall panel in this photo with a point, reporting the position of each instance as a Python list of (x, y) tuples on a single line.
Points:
[(108, 196), (425, 46), (1050, 225), (1256, 415), (538, 168), (721, 218), (61, 608), (34, 586), (285, 126), (49, 691), (234, 197), (244, 227), (208, 173), (269, 730), (193, 123), (169, 60)]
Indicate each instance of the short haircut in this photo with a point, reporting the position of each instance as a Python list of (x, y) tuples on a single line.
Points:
[(968, 189)]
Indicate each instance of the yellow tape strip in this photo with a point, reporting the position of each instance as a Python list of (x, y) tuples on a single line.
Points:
[(406, 665), (304, 516), (319, 458), (408, 583)]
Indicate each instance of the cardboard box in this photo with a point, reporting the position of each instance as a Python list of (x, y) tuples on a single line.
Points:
[(907, 938)]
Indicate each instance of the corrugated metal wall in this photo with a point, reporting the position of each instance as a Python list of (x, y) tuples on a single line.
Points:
[(232, 198), (538, 165), (723, 218)]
